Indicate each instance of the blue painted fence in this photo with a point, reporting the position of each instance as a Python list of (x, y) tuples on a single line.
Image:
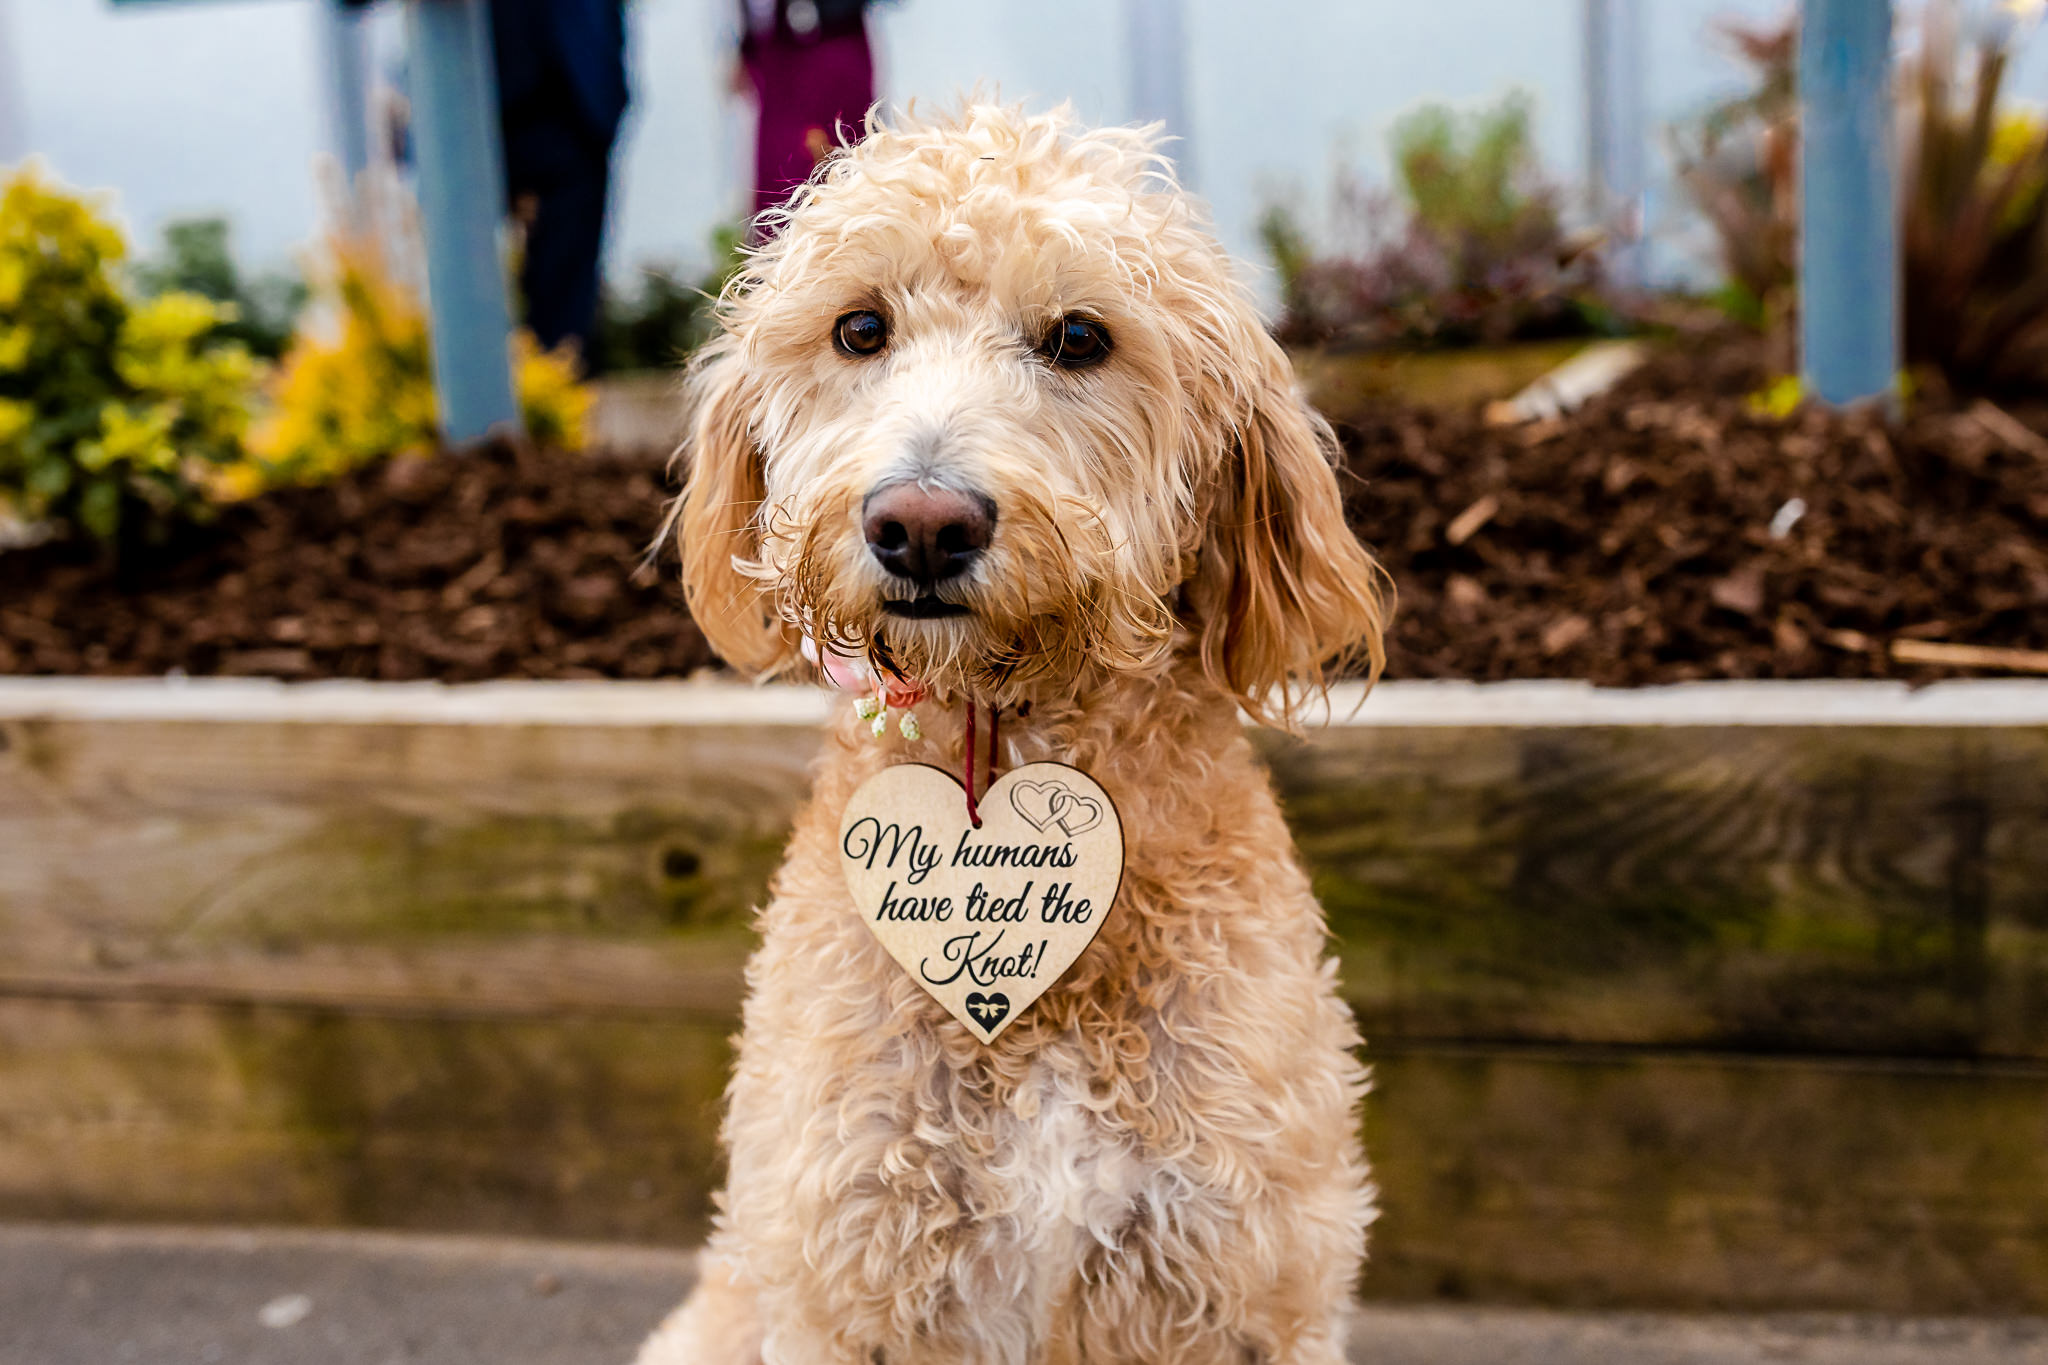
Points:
[(462, 200), (1848, 247)]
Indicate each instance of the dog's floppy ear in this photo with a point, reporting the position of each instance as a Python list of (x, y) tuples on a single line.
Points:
[(1284, 594), (718, 517)]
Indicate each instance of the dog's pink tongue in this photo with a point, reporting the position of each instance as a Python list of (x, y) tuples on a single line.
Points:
[(854, 675), (848, 675), (901, 692)]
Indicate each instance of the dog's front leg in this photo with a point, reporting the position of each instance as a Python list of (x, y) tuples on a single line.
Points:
[(719, 1324), (1242, 1244), (897, 1276), (871, 1197), (1255, 1286)]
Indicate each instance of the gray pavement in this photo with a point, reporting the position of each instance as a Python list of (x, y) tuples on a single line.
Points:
[(109, 1296), (172, 1296)]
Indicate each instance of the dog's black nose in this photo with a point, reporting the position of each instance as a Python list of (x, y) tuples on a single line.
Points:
[(927, 535)]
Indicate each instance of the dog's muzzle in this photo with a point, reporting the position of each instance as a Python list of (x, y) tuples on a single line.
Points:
[(926, 536)]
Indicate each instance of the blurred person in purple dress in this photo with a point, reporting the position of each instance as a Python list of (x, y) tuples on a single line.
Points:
[(812, 75)]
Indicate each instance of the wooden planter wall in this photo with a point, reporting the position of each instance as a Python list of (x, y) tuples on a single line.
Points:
[(1726, 995)]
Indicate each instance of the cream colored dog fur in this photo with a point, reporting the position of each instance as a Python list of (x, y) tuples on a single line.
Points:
[(1159, 1160)]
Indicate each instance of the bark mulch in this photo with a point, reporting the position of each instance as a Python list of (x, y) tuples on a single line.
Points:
[(1645, 539), (1633, 542), (494, 564)]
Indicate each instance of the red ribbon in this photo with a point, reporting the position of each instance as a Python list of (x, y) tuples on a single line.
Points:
[(973, 815), (994, 713)]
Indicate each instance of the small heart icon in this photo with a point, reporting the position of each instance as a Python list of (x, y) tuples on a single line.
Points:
[(1078, 815), (988, 1010), (1040, 802)]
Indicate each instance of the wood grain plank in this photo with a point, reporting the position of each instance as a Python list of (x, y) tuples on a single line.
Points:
[(1879, 891), (584, 1127), (1578, 1177), (1565, 1176), (478, 976), (472, 867), (1865, 889)]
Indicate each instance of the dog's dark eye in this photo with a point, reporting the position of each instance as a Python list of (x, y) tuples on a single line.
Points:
[(1075, 342), (861, 333)]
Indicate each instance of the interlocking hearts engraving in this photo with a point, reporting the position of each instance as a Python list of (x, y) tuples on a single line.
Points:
[(984, 919), (1053, 802)]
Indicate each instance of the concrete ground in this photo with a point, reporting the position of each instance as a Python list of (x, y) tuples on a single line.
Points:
[(104, 1296)]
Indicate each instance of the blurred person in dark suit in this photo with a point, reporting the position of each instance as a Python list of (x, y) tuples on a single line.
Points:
[(561, 94), (812, 74)]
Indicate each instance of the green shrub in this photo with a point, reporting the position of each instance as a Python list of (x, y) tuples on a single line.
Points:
[(198, 258), (114, 415), (1738, 162), (657, 327), (1474, 183), (1975, 231), (1471, 250)]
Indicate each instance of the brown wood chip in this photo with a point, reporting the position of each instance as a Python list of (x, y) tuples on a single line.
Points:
[(2009, 428), (1562, 634), (1741, 591), (1970, 656), (1471, 519)]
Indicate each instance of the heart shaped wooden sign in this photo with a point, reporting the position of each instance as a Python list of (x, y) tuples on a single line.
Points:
[(984, 919)]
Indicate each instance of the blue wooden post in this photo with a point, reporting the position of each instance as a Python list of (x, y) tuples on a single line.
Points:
[(1615, 151), (13, 119), (462, 196), (1155, 37), (1849, 235), (345, 48)]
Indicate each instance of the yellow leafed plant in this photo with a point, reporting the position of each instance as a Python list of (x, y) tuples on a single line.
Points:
[(115, 416), (553, 407), (366, 389)]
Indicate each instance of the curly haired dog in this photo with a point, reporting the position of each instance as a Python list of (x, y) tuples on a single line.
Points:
[(992, 414)]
